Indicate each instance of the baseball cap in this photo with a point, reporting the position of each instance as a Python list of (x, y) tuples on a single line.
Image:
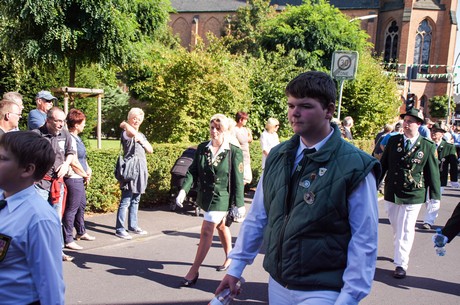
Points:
[(46, 95)]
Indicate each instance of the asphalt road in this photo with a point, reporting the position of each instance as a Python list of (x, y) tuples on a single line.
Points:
[(148, 269)]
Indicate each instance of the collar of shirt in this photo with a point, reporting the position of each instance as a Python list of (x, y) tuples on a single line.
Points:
[(225, 146), (15, 200), (317, 146), (412, 140)]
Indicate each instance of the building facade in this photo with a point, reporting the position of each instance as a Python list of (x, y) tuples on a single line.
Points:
[(416, 38)]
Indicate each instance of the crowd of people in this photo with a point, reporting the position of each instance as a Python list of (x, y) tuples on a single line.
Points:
[(314, 212)]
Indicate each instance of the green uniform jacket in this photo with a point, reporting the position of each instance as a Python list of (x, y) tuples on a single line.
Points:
[(212, 180), (447, 157), (409, 174), (307, 238)]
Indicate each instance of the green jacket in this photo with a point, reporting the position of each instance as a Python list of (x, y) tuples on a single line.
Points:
[(448, 163), (212, 180), (307, 239), (409, 174)]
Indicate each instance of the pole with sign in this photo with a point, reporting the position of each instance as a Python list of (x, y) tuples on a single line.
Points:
[(344, 66)]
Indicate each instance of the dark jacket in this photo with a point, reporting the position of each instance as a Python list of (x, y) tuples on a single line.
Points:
[(212, 180), (448, 163), (409, 174)]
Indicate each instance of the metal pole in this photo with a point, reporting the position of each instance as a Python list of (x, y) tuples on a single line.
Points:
[(448, 121), (451, 88), (340, 99)]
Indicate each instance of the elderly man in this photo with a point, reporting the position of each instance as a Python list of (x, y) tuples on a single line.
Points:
[(411, 167), (37, 117), (10, 113), (52, 187)]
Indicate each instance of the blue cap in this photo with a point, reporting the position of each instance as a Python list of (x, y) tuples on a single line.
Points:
[(46, 95)]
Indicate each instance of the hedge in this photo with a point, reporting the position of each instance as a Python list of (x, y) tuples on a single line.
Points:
[(103, 192)]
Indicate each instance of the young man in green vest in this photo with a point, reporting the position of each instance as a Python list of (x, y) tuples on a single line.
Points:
[(411, 167), (315, 208)]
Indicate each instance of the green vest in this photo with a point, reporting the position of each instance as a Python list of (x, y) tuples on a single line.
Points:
[(409, 174), (307, 239), (212, 180)]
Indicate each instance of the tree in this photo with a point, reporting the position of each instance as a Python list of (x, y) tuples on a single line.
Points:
[(245, 26), (181, 90), (372, 99), (78, 32), (438, 106), (313, 30)]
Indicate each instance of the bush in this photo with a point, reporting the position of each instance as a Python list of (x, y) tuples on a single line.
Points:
[(103, 192)]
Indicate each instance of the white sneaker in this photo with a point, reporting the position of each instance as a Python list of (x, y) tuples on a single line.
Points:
[(124, 235), (139, 231)]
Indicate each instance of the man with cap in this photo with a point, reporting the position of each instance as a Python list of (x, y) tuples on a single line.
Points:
[(37, 117), (447, 157), (411, 167)]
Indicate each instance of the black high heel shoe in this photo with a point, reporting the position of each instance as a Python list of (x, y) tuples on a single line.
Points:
[(189, 283), (222, 268)]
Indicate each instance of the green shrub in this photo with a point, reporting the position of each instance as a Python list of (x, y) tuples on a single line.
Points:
[(103, 193)]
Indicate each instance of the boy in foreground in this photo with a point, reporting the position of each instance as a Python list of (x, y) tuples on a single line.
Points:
[(30, 249), (315, 208)]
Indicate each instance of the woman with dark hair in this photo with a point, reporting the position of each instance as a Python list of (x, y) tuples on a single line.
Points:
[(75, 180)]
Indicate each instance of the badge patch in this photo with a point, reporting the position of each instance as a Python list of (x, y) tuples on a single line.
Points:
[(5, 241), (420, 154), (322, 171), (399, 149), (306, 184), (309, 197)]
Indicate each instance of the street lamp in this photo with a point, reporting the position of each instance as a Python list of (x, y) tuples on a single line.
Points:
[(364, 17)]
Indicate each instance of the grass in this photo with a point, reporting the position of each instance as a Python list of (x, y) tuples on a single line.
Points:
[(106, 144)]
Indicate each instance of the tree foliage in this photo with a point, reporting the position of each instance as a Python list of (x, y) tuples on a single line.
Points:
[(77, 31), (313, 30), (371, 99), (438, 106), (182, 90)]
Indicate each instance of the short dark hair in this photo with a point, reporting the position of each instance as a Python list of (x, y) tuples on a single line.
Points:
[(241, 115), (313, 84), (75, 116), (29, 147)]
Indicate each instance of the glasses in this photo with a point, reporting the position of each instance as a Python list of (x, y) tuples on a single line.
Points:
[(59, 121), (18, 114), (48, 101)]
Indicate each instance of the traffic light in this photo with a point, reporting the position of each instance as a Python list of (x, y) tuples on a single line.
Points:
[(410, 101)]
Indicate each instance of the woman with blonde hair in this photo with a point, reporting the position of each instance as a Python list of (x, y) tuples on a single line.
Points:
[(269, 138), (217, 170), (134, 143)]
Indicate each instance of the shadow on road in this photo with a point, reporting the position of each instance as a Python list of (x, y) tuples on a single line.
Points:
[(386, 276), (151, 270)]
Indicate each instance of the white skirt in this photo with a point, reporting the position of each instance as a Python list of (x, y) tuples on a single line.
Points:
[(215, 216)]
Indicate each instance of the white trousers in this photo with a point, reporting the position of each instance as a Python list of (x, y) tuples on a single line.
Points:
[(278, 295), (430, 213), (402, 219)]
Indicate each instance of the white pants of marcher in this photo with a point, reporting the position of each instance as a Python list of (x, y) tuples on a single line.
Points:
[(402, 219), (278, 295), (431, 214)]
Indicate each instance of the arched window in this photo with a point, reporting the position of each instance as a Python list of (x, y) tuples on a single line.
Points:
[(423, 46), (391, 42)]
